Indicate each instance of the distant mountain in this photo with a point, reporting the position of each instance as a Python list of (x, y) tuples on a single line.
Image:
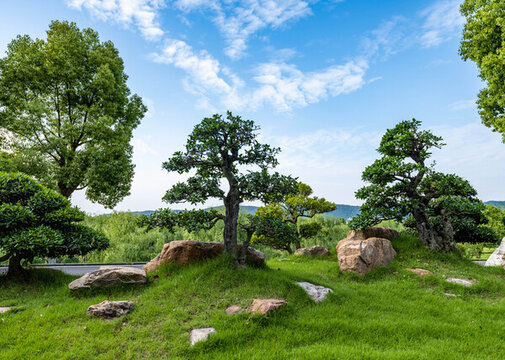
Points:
[(498, 204), (342, 211)]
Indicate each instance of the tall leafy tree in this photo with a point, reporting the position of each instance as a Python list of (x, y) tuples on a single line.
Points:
[(484, 43), (221, 149), (403, 184), (67, 114), (37, 221), (290, 209)]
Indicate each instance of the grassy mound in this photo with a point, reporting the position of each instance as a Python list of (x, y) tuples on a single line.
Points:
[(388, 314)]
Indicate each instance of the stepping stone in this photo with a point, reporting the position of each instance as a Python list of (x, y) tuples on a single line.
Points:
[(4, 309), (111, 309), (462, 282), (265, 306), (316, 292), (202, 334), (234, 309), (419, 271), (450, 294)]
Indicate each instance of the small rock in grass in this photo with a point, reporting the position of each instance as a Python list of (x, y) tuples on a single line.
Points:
[(265, 306), (4, 309), (450, 294), (234, 309), (420, 272), (316, 292), (458, 281), (197, 335), (111, 309)]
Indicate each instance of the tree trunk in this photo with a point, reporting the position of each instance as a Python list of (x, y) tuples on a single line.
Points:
[(65, 190), (232, 207), (430, 238), (15, 268), (243, 252)]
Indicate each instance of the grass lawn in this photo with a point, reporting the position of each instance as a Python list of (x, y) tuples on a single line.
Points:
[(388, 314)]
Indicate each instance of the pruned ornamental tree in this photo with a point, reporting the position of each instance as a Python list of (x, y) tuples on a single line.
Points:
[(484, 43), (402, 184), (289, 210), (66, 112), (38, 222), (222, 149)]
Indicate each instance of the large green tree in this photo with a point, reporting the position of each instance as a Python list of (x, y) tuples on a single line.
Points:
[(222, 149), (484, 43), (402, 183), (37, 221), (66, 112)]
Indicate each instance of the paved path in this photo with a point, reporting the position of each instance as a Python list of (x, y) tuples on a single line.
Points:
[(78, 269)]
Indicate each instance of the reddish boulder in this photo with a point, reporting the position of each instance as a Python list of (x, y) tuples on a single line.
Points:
[(265, 306), (183, 252), (360, 256)]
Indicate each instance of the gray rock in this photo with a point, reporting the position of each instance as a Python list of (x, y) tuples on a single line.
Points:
[(458, 281), (109, 276), (497, 258), (197, 335), (234, 309), (313, 251), (316, 292), (4, 309), (111, 309)]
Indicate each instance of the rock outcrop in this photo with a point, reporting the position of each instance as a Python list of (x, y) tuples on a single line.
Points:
[(182, 252), (316, 292), (111, 309), (202, 334), (265, 306), (497, 258), (360, 256), (313, 251), (109, 276)]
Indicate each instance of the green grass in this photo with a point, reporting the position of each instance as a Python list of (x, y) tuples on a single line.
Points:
[(388, 314)]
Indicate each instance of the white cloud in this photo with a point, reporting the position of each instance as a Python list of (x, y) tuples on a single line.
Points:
[(142, 13), (442, 21), (141, 145), (239, 20), (462, 105)]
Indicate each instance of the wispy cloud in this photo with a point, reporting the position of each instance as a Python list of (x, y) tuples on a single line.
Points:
[(239, 20), (142, 13), (442, 21), (463, 105)]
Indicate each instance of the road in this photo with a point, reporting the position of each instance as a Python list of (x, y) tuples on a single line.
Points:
[(78, 269)]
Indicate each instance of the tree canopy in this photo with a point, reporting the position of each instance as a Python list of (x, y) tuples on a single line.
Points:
[(402, 184), (223, 148), (37, 221), (484, 43), (66, 112)]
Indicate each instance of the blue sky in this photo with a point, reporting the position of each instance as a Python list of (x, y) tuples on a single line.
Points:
[(323, 79)]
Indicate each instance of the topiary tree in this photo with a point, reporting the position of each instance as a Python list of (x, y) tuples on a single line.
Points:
[(484, 43), (403, 184), (67, 114), (289, 210), (37, 221), (220, 149)]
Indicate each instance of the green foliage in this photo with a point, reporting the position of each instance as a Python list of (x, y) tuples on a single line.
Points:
[(66, 113), (496, 219), (403, 186), (290, 209), (36, 221), (484, 43)]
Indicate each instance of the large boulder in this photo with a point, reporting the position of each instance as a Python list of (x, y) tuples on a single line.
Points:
[(313, 251), (111, 309), (109, 276), (373, 232), (360, 256), (183, 252), (497, 258)]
